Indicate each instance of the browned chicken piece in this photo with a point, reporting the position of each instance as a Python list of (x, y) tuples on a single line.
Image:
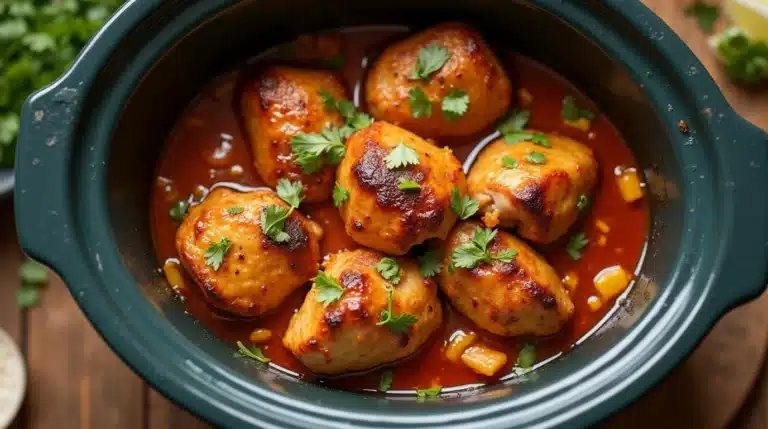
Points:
[(255, 273), (347, 335), (379, 213), (540, 199), (523, 296), (471, 67), (277, 105)]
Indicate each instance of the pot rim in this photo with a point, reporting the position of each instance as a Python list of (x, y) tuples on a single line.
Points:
[(656, 343)]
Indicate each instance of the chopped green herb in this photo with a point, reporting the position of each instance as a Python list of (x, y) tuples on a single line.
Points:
[(385, 382), (179, 210), (339, 195), (475, 252), (396, 324), (235, 210), (313, 151), (401, 156), (389, 269), (571, 112), (354, 119), (464, 207), (408, 185), (253, 353), (431, 392), (273, 222), (706, 14), (455, 104), (214, 256), (516, 121), (33, 273), (27, 297), (510, 163), (576, 244), (745, 59), (430, 60), (290, 192), (430, 263), (527, 356), (421, 107), (536, 158), (582, 203), (328, 289), (535, 138)]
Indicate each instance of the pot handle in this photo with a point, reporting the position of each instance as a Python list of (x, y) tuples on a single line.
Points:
[(745, 264), (44, 187)]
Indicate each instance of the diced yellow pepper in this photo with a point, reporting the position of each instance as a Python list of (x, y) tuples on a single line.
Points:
[(594, 303), (571, 280), (260, 336), (602, 226), (526, 98), (459, 343), (582, 124), (484, 360), (629, 185), (602, 241), (612, 281), (173, 274)]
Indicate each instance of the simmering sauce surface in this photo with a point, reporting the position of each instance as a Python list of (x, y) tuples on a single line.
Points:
[(207, 145)]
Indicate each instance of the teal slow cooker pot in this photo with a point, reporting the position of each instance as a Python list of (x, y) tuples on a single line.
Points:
[(90, 141)]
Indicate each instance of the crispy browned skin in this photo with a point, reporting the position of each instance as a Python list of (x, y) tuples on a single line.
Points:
[(540, 200), (257, 273), (277, 105), (344, 337), (472, 67), (524, 296), (380, 215)]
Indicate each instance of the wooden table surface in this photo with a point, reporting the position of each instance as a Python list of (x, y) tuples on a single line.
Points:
[(75, 381)]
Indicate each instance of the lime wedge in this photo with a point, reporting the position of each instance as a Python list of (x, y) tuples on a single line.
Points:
[(751, 16)]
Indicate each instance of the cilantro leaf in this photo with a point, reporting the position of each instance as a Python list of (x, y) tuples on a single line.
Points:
[(401, 156), (507, 162), (290, 192), (455, 104), (706, 14), (396, 324), (421, 107), (214, 256), (582, 203), (235, 210), (516, 121), (535, 138), (475, 252), (431, 392), (408, 185), (354, 119), (385, 382), (253, 353), (273, 222), (33, 273), (389, 270), (328, 289), (571, 112), (178, 210), (536, 158), (430, 263), (527, 356), (430, 60), (313, 151), (464, 207), (27, 297), (339, 195), (575, 245), (745, 59)]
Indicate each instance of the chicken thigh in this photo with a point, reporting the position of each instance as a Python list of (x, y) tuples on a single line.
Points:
[(390, 206), (280, 103), (518, 295), (540, 194), (372, 322), (240, 269), (444, 81)]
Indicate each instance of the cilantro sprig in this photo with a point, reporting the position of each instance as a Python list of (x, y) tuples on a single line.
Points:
[(273, 217), (389, 270), (572, 112), (397, 324), (314, 151), (328, 289), (354, 119), (513, 129), (214, 256), (455, 104), (385, 382), (576, 244), (401, 156), (527, 356), (408, 185), (476, 252), (463, 206), (431, 392), (431, 59), (254, 353), (430, 263), (340, 195), (421, 107)]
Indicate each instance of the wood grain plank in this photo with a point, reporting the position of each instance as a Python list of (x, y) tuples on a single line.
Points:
[(75, 381), (11, 318), (165, 415)]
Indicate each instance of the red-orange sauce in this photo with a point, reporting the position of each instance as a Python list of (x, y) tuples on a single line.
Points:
[(188, 163)]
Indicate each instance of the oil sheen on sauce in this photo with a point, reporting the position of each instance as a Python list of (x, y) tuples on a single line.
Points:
[(207, 146)]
